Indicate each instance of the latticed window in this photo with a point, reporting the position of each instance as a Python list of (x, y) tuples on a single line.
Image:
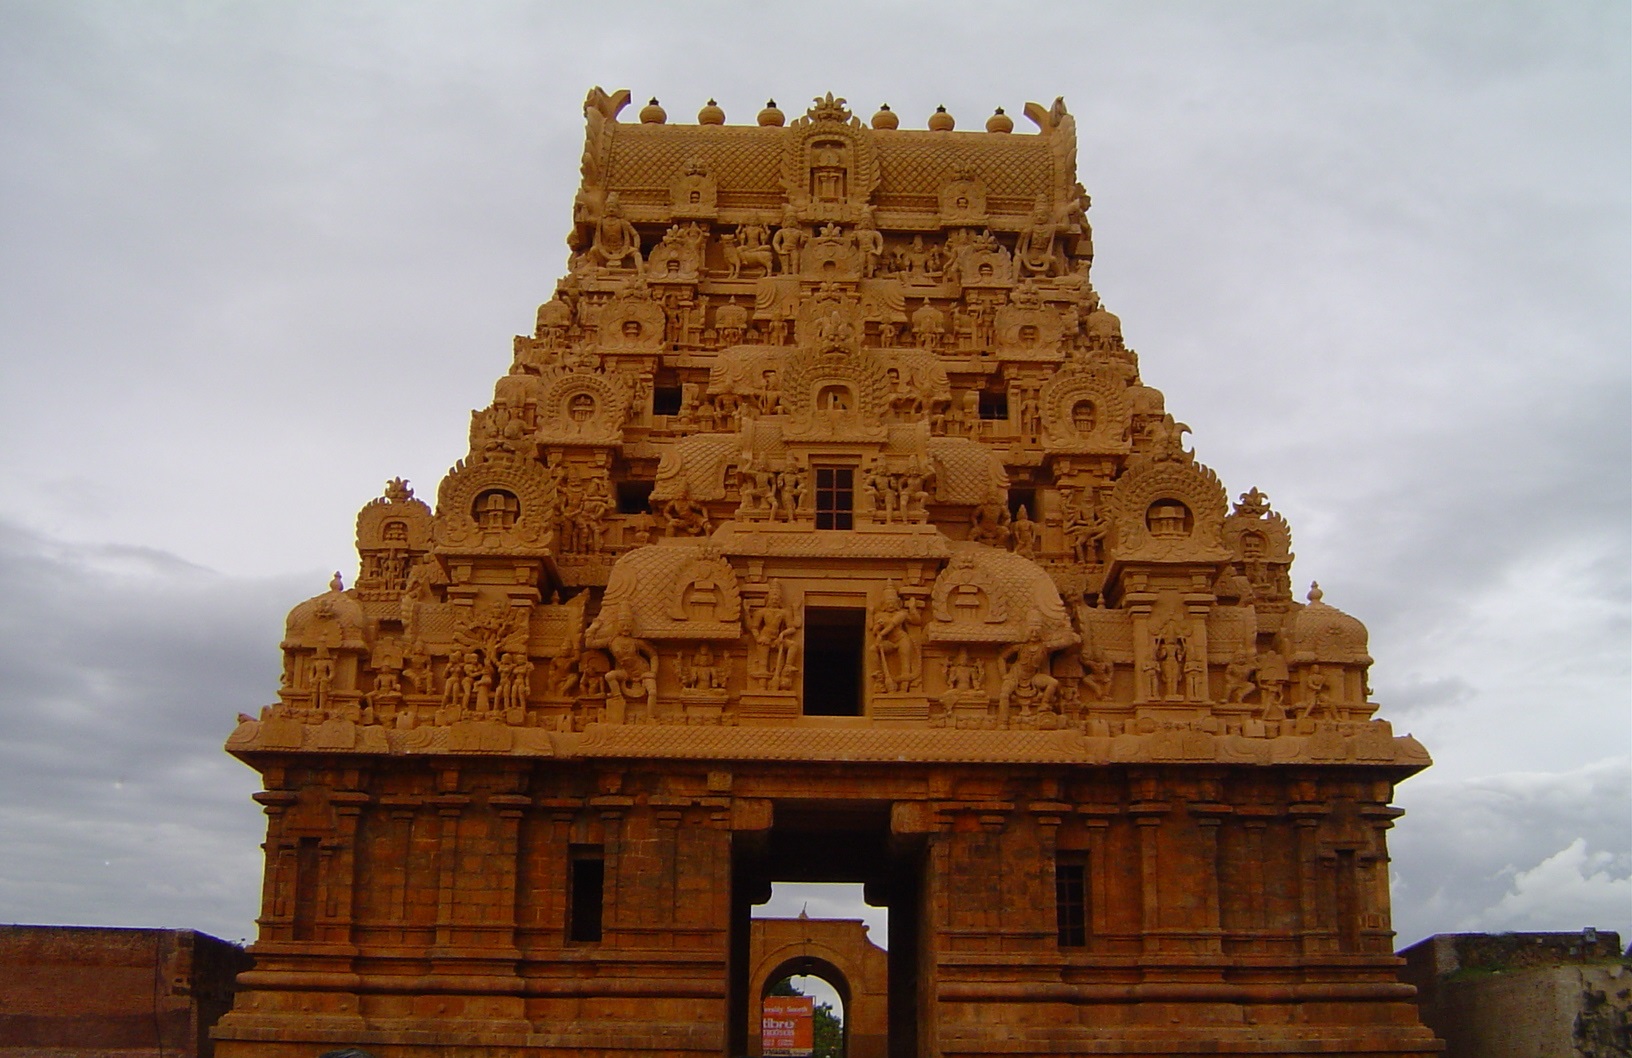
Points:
[(835, 497), (1071, 899)]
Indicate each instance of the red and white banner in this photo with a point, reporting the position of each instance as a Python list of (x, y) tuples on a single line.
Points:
[(786, 1026)]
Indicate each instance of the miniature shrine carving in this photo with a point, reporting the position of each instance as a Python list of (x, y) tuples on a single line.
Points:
[(823, 526)]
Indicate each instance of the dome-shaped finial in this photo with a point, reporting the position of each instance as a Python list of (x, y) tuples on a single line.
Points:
[(1315, 594), (653, 114), (711, 114), (771, 116), (886, 118), (999, 122), (941, 121), (337, 584)]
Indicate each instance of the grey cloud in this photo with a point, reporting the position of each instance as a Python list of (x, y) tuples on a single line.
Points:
[(1484, 853), (123, 668), (260, 258)]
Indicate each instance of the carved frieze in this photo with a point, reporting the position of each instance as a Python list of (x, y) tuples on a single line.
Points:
[(1085, 409), (677, 591), (499, 505), (989, 596), (829, 164), (963, 199), (631, 322), (694, 193), (1167, 512), (393, 532), (582, 408)]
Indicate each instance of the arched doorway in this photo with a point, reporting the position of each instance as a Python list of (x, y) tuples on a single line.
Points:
[(806, 966), (839, 952)]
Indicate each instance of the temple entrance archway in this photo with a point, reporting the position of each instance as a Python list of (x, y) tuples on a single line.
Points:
[(839, 952), (830, 842)]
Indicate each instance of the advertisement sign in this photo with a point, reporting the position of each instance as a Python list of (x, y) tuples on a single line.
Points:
[(786, 1025)]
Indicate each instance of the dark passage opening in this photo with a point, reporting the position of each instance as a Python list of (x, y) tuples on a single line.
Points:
[(634, 497), (666, 399), (833, 645), (586, 895), (835, 842), (1071, 899)]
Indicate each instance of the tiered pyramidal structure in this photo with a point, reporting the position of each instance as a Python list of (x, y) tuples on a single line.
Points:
[(824, 529)]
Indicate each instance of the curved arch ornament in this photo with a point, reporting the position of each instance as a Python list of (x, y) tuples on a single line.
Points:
[(839, 952)]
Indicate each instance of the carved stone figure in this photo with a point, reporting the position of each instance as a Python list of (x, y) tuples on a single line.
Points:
[(1084, 527), (617, 243), (989, 524), (871, 245), (684, 516), (961, 674), (1317, 690), (775, 630), (896, 651), (1238, 683), (634, 662), (1024, 531), (739, 255), (1025, 674), (1170, 648), (1096, 678), (1035, 253), (702, 672), (786, 243), (1272, 679), (417, 669)]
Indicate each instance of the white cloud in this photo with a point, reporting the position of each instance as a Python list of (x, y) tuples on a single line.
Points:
[(1593, 887), (1484, 852)]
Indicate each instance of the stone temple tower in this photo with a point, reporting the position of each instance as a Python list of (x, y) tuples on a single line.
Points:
[(824, 529)]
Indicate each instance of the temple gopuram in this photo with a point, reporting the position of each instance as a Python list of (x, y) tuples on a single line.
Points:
[(824, 529)]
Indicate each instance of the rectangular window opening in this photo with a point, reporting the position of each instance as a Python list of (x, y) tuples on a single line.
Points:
[(666, 399), (994, 404), (586, 895), (834, 641), (835, 497), (1026, 498), (635, 497), (1071, 898)]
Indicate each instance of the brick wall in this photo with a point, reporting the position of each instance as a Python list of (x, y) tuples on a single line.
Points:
[(71, 991)]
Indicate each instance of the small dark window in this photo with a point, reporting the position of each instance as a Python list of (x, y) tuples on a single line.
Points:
[(634, 497), (994, 404), (666, 400), (587, 892), (835, 497), (1071, 898), (834, 640), (1026, 498)]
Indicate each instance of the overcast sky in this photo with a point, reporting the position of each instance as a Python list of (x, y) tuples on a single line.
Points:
[(258, 257)]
